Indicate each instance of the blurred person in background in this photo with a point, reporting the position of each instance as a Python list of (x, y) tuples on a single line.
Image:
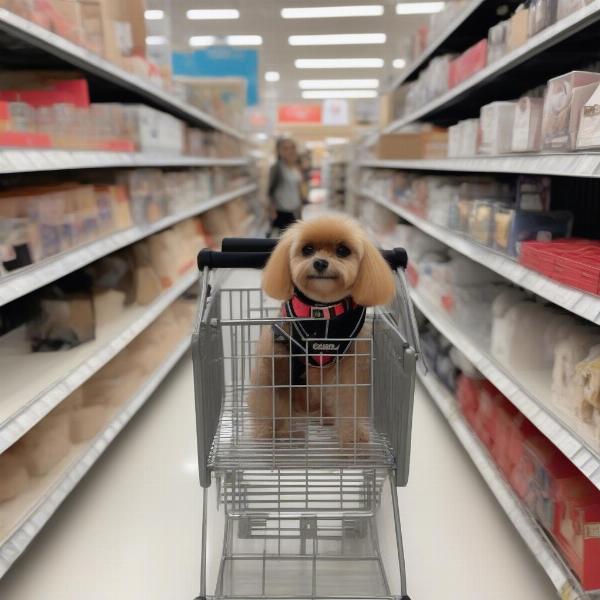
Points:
[(285, 186)]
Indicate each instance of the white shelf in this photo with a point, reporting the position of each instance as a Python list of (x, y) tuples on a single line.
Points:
[(464, 14), (25, 280), (571, 164), (25, 161), (34, 383), (578, 302), (90, 62), (546, 38), (533, 535), (554, 427), (50, 491)]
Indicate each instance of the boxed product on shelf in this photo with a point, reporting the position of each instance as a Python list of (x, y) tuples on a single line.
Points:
[(496, 122), (426, 144), (574, 262), (527, 127), (577, 531), (568, 7), (14, 478), (41, 88), (518, 28), (463, 138), (156, 131), (531, 225), (497, 41), (588, 135), (468, 63), (542, 14), (565, 96)]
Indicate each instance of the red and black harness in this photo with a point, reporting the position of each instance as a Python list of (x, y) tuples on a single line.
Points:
[(320, 333)]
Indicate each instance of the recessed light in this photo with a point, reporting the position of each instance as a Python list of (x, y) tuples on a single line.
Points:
[(212, 14), (322, 94), (338, 84), (156, 40), (272, 76), (418, 8), (398, 63), (243, 40), (323, 12), (154, 15), (338, 63), (202, 40), (336, 39)]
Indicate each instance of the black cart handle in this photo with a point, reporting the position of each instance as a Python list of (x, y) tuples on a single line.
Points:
[(253, 253)]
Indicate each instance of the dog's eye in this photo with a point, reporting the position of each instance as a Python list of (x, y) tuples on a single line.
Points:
[(308, 250), (342, 251)]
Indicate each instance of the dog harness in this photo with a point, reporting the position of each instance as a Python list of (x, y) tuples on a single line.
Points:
[(320, 334)]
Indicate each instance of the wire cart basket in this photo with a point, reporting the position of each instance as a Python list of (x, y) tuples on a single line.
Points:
[(299, 513)]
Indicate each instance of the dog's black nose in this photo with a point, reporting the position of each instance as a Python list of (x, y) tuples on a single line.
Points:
[(320, 265)]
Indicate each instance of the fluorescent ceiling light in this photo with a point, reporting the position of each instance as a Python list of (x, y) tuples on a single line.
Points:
[(336, 39), (202, 40), (418, 8), (322, 12), (399, 63), (263, 137), (272, 76), (338, 63), (321, 94), (335, 141), (212, 14), (156, 40), (338, 84), (154, 15), (243, 40)]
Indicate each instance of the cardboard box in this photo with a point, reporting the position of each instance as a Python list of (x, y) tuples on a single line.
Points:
[(517, 29), (430, 144), (124, 29)]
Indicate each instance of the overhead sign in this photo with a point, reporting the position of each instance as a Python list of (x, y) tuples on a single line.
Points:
[(299, 113), (336, 112), (221, 61)]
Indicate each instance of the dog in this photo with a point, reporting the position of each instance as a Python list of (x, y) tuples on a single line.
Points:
[(326, 271)]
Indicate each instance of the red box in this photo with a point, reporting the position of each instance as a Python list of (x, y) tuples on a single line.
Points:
[(573, 262), (485, 421), (24, 139), (68, 91), (577, 529), (467, 395), (468, 63), (506, 421)]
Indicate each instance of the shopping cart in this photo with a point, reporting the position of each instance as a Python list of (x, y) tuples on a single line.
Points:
[(299, 514)]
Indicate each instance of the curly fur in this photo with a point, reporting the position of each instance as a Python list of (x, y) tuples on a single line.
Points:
[(362, 274)]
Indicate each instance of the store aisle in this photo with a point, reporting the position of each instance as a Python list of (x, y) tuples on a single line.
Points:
[(132, 529)]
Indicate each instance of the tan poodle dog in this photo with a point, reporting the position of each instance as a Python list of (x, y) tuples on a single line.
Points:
[(327, 272)]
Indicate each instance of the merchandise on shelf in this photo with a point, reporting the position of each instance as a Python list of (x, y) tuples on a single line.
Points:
[(425, 144), (52, 109), (588, 135), (574, 262), (542, 14), (527, 128), (463, 138), (498, 41), (518, 28), (566, 95), (496, 122), (468, 63)]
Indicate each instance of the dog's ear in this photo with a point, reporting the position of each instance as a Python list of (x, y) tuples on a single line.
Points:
[(374, 283), (277, 276)]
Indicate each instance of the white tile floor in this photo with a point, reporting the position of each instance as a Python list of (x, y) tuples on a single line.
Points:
[(132, 528)]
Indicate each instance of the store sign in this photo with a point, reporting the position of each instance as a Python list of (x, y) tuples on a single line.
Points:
[(221, 61), (336, 112), (299, 113)]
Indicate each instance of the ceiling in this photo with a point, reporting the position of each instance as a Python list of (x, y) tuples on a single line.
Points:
[(262, 17)]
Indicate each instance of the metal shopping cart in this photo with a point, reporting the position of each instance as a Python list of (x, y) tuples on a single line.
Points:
[(298, 515)]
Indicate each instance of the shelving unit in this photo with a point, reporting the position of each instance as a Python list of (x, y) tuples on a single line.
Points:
[(90, 63), (533, 535), (27, 161), (487, 85), (467, 16), (571, 164), (30, 278), (571, 299), (51, 377), (553, 426), (51, 490)]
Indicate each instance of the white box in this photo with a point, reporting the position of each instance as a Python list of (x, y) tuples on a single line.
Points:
[(527, 127), (158, 131), (496, 126), (588, 135)]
